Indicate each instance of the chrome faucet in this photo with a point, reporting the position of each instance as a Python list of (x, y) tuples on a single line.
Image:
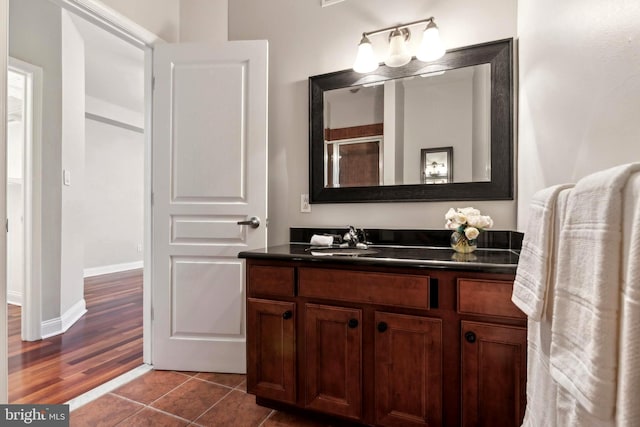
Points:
[(355, 238)]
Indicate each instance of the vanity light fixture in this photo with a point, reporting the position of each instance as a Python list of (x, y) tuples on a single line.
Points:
[(437, 169), (430, 49)]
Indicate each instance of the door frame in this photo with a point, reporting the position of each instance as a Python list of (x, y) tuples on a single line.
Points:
[(31, 317), (96, 12)]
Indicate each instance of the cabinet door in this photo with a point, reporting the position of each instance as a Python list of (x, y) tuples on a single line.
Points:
[(493, 374), (271, 349), (408, 366), (333, 360)]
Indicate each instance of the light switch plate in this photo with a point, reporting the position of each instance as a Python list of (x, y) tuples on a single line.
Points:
[(66, 177)]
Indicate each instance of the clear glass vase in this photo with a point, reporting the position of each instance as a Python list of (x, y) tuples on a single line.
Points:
[(461, 244)]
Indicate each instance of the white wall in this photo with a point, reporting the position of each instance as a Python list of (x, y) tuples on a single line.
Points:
[(114, 196), (481, 134), (35, 37), (393, 144), (203, 20), (161, 17), (73, 148), (344, 108), (438, 113), (579, 91), (114, 163), (106, 109), (306, 39), (114, 68)]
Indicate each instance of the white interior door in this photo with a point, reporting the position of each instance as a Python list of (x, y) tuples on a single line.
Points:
[(209, 173)]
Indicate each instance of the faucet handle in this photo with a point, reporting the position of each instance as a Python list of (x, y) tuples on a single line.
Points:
[(351, 236)]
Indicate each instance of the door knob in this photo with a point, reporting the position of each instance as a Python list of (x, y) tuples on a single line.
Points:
[(382, 326), (470, 337), (353, 323), (287, 315), (253, 222)]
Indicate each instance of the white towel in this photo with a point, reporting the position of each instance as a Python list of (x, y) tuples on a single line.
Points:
[(541, 389), (538, 253), (584, 337), (571, 413), (628, 396), (321, 240)]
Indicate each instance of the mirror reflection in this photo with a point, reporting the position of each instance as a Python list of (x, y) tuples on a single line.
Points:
[(433, 128), (440, 131)]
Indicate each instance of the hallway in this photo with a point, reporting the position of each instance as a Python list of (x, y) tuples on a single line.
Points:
[(105, 343)]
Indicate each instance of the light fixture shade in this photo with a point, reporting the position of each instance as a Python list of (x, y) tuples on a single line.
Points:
[(398, 52), (431, 47), (365, 60)]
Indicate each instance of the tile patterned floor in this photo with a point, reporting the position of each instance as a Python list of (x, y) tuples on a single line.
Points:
[(167, 398)]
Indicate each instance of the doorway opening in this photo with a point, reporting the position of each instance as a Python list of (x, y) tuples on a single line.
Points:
[(24, 84), (17, 124), (102, 212)]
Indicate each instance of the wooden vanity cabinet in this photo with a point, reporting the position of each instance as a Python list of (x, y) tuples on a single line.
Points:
[(493, 362), (333, 360), (404, 348), (271, 333), (385, 346), (408, 370), (271, 349), (493, 374)]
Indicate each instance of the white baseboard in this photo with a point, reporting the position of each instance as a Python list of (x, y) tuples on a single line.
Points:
[(59, 325), (114, 268), (14, 297)]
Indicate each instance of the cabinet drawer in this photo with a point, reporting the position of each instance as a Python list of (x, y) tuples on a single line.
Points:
[(265, 280), (359, 286), (487, 297)]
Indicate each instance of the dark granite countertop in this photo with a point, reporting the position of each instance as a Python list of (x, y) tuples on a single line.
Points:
[(483, 259)]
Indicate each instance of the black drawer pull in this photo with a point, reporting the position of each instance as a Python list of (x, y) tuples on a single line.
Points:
[(470, 337), (382, 326), (353, 323), (287, 315)]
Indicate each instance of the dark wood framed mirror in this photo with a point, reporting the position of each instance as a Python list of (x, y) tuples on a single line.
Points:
[(405, 109)]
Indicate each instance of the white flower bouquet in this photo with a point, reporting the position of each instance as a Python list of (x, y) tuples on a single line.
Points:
[(467, 222)]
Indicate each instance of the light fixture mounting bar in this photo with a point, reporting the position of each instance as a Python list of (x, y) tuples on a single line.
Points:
[(393, 27)]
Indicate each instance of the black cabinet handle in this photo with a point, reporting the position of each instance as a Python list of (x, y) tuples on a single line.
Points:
[(287, 315), (470, 337), (353, 323), (382, 326)]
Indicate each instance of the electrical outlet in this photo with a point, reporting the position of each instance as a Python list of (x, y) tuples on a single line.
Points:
[(305, 207), (139, 247)]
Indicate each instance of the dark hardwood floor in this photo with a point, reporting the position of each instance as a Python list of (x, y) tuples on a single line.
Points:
[(105, 343)]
